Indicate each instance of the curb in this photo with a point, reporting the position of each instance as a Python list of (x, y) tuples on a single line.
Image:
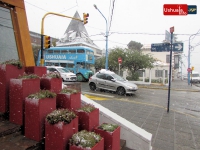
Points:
[(166, 88)]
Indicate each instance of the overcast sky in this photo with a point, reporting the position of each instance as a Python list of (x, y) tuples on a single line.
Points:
[(128, 20)]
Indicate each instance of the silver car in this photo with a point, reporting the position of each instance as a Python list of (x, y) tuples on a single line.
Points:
[(108, 80)]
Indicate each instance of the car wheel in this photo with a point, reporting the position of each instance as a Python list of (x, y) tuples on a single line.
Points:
[(92, 86), (121, 91), (80, 78)]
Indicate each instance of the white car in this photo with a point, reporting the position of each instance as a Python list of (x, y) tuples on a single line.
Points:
[(108, 80), (65, 74)]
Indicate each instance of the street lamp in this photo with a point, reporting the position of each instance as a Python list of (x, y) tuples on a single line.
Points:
[(189, 58), (106, 65)]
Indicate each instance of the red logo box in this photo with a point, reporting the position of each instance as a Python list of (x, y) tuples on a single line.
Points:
[(175, 9)]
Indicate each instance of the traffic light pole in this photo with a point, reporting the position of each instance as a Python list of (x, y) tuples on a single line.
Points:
[(42, 32), (106, 64)]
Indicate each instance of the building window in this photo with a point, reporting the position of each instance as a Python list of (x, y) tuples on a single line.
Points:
[(159, 73)]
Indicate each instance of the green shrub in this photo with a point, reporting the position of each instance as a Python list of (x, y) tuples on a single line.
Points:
[(60, 115), (87, 108), (14, 62), (134, 76), (28, 76), (68, 91), (108, 127), (42, 94), (85, 139)]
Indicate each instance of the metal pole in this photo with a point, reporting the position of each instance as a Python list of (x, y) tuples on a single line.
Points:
[(170, 69), (106, 65), (189, 60), (42, 52)]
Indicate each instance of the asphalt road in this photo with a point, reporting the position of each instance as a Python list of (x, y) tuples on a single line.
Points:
[(179, 101)]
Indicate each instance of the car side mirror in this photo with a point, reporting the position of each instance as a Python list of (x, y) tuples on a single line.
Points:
[(113, 80)]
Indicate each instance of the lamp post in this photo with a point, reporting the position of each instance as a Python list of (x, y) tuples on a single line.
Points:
[(189, 57), (106, 65)]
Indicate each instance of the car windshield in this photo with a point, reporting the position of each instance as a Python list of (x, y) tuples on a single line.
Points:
[(63, 70), (117, 77)]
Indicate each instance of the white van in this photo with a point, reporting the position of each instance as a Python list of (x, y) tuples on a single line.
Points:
[(195, 78), (65, 74)]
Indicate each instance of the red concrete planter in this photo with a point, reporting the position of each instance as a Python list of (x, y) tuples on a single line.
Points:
[(88, 121), (19, 90), (57, 135), (98, 146), (38, 70), (52, 84), (6, 73), (35, 112), (112, 139), (69, 101)]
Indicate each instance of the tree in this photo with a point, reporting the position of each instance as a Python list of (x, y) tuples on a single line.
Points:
[(134, 45), (114, 54), (100, 63), (136, 60)]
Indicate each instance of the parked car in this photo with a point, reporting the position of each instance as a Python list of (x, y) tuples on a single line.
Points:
[(108, 80), (64, 73)]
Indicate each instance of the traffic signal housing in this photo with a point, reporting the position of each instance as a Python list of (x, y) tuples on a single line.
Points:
[(85, 18), (47, 41), (192, 68)]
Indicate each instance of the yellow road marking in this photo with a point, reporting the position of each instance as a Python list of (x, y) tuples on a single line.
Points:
[(96, 97)]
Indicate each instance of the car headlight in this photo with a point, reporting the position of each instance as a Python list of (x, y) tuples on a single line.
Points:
[(130, 87)]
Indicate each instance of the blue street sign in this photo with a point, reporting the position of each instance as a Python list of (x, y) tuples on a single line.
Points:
[(160, 47), (165, 47), (178, 47)]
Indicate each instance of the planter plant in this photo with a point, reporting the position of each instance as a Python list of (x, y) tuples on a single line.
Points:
[(8, 69), (68, 98), (111, 134), (37, 107), (19, 89), (60, 125), (51, 81), (85, 140), (88, 117)]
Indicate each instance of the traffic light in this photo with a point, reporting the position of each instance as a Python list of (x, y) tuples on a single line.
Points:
[(85, 18), (47, 41), (192, 68)]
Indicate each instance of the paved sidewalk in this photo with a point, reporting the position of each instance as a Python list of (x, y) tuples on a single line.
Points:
[(171, 131)]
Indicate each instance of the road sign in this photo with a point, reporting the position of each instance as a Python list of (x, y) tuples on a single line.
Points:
[(178, 47), (168, 37), (189, 69), (165, 47), (120, 60), (160, 47)]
